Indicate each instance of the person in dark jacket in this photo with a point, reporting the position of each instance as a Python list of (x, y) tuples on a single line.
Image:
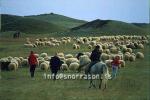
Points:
[(55, 64), (32, 62), (95, 57)]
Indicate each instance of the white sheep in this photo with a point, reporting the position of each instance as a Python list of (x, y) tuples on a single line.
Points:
[(74, 66), (43, 55), (71, 60), (64, 67), (68, 56), (44, 65), (28, 45), (139, 55)]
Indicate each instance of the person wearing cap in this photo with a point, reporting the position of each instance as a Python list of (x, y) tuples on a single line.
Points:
[(115, 65), (95, 57), (32, 60)]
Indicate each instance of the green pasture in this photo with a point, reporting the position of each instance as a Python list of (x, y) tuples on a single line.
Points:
[(132, 82)]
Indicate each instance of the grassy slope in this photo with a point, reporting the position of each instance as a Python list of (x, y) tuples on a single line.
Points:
[(27, 25), (132, 82), (58, 20), (109, 27)]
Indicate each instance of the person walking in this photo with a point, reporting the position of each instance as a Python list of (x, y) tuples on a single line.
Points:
[(55, 64), (115, 65), (32, 63)]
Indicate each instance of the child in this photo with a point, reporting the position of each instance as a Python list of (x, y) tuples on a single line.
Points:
[(115, 64), (32, 62)]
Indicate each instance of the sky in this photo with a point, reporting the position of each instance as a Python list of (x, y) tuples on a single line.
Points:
[(122, 10)]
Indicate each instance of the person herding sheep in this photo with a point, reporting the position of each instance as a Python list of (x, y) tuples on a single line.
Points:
[(32, 62), (55, 64), (115, 65), (95, 57)]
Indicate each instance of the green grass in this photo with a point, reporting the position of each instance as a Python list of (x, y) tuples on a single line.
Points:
[(132, 82)]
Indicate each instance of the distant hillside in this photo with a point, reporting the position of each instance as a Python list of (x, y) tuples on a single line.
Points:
[(27, 25), (109, 27), (145, 26), (60, 20)]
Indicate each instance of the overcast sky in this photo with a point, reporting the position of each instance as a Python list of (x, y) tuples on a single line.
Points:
[(123, 10)]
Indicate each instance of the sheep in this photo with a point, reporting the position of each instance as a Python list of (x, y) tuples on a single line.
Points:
[(74, 66), (64, 67), (113, 50), (122, 63), (44, 65), (28, 45), (37, 55), (84, 59), (139, 55), (90, 47), (107, 51), (71, 60), (18, 60), (12, 66), (68, 56), (75, 46), (41, 59), (126, 57), (47, 58), (43, 55), (21, 58), (140, 46), (104, 56), (129, 50), (24, 62), (132, 58), (108, 62), (87, 53), (60, 54), (64, 41)]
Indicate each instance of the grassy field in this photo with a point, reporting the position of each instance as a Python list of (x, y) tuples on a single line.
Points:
[(132, 82)]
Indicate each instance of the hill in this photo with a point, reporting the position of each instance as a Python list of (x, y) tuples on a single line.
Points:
[(60, 20), (143, 25), (27, 25), (109, 27)]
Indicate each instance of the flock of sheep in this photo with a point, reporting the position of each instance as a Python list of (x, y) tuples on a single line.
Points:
[(123, 46)]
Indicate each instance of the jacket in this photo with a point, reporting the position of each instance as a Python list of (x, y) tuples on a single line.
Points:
[(55, 62), (95, 55), (32, 59)]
